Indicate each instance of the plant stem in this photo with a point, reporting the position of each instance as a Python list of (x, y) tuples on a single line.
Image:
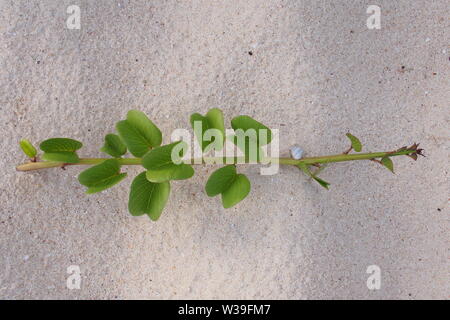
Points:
[(345, 157), (227, 160), (83, 161)]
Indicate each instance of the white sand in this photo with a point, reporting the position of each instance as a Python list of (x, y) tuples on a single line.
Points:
[(316, 72)]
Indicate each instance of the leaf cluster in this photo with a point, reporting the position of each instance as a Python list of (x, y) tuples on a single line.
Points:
[(150, 189)]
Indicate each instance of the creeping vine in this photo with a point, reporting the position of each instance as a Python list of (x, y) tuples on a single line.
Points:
[(150, 190)]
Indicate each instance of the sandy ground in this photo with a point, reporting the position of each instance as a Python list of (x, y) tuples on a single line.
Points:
[(316, 71)]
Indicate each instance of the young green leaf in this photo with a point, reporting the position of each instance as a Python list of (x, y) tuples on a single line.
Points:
[(212, 120), (160, 163), (249, 146), (249, 136), (62, 156), (306, 170), (148, 197), (114, 146), (322, 182), (139, 133), (60, 150), (247, 123), (387, 162), (233, 187), (176, 172), (60, 144), (101, 176), (356, 144), (220, 180), (28, 148), (236, 192)]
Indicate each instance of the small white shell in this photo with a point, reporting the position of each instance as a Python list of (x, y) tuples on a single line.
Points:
[(296, 152)]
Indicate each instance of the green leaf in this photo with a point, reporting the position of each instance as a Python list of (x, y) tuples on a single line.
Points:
[(101, 176), (60, 144), (160, 163), (220, 180), (249, 146), (114, 146), (61, 150), (139, 133), (212, 120), (28, 148), (148, 197), (306, 170), (236, 192), (62, 156), (247, 123), (248, 136), (356, 144), (322, 182), (178, 172), (233, 187), (387, 162)]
